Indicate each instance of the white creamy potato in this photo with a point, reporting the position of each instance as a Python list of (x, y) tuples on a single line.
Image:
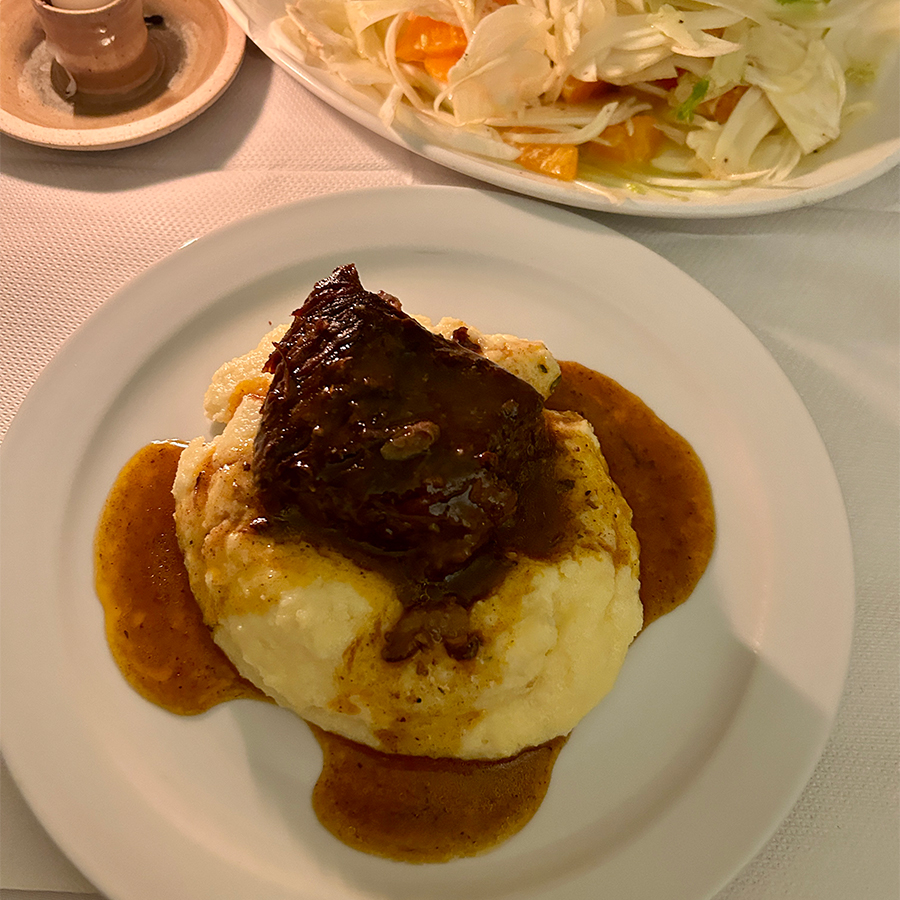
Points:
[(306, 624)]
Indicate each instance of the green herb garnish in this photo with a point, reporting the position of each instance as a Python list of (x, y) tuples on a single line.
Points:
[(685, 112)]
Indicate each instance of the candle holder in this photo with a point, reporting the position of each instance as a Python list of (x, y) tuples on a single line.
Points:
[(103, 52)]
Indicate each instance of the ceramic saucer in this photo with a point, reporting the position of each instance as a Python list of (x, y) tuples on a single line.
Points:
[(200, 43)]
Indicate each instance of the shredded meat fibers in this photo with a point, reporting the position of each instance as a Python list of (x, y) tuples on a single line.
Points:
[(408, 446)]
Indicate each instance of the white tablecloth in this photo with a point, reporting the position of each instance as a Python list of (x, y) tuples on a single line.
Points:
[(819, 287)]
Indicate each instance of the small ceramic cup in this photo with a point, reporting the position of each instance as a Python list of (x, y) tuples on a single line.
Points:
[(105, 50)]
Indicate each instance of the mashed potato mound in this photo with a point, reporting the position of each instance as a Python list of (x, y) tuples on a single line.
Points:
[(306, 624)]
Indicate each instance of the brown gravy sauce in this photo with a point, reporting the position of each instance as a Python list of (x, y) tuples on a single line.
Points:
[(153, 624), (407, 808), (418, 809), (659, 475)]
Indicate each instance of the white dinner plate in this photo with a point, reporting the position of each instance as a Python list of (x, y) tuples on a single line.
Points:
[(665, 790), (868, 148)]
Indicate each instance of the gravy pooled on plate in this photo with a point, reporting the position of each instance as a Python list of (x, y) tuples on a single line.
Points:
[(450, 605)]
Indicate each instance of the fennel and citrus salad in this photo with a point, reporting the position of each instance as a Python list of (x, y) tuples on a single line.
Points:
[(669, 95)]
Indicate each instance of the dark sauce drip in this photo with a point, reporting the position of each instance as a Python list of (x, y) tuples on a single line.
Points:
[(419, 809), (660, 476), (411, 453), (154, 627)]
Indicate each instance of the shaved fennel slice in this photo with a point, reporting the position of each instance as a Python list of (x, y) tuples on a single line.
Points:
[(776, 156), (727, 71), (610, 114), (802, 80), (331, 52), (630, 47), (576, 136), (325, 31), (687, 30), (442, 130), (387, 112), (505, 67), (361, 14), (562, 116), (726, 149), (401, 82)]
